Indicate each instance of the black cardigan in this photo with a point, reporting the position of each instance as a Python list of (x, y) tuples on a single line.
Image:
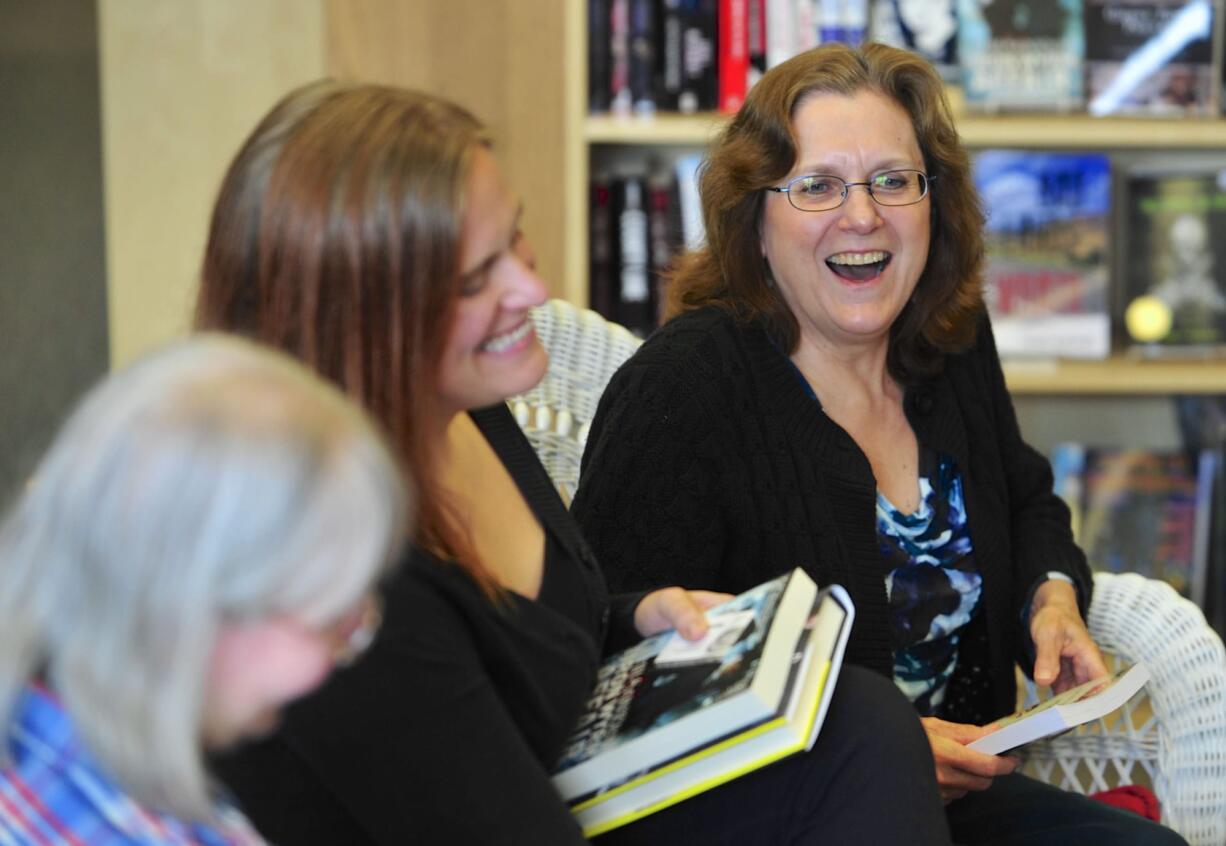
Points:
[(444, 732), (710, 466)]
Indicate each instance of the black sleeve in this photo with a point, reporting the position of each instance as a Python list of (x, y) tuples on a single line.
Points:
[(1041, 528), (649, 498), (414, 745)]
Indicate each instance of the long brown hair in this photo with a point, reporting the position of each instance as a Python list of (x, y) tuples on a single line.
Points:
[(758, 148), (336, 237)]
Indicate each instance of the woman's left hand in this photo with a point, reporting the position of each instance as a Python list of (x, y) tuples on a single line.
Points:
[(676, 608), (1065, 654)]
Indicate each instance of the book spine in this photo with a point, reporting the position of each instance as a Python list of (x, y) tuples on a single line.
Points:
[(602, 265), (634, 292), (780, 32), (699, 81), (670, 56), (733, 60), (620, 98), (757, 40), (642, 63), (598, 81)]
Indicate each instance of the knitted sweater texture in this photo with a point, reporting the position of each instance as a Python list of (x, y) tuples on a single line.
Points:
[(709, 466)]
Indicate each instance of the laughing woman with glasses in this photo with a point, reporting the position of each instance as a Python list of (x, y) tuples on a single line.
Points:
[(827, 393)]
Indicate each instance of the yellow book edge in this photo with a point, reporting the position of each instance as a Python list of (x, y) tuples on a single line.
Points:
[(714, 781)]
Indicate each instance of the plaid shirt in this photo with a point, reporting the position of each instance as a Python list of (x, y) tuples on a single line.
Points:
[(54, 794)]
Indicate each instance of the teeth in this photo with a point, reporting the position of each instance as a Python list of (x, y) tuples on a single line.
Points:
[(504, 342), (859, 258)]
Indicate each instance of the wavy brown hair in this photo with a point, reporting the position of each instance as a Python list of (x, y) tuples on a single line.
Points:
[(758, 148), (336, 237)]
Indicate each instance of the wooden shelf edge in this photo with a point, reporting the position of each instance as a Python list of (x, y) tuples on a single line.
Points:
[(1116, 377), (977, 130)]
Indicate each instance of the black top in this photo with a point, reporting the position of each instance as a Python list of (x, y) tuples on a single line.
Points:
[(445, 730), (708, 466)]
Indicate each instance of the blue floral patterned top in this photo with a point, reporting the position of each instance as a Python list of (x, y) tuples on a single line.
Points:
[(934, 586)]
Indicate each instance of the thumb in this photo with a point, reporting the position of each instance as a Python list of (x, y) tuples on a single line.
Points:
[(1047, 656)]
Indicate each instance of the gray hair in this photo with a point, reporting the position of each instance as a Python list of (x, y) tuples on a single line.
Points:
[(211, 482)]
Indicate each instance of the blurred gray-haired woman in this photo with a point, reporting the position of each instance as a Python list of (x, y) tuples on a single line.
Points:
[(197, 548)]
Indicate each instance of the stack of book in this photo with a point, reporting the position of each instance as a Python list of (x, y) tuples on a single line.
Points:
[(670, 718)]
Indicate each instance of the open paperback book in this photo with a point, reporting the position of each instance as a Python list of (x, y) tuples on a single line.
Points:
[(1067, 710), (674, 719)]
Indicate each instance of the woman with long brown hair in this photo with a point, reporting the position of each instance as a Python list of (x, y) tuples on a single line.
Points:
[(827, 394), (368, 231)]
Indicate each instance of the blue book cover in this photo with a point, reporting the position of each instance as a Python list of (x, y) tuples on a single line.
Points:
[(1047, 234)]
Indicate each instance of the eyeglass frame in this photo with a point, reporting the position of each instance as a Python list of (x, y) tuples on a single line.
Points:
[(786, 188)]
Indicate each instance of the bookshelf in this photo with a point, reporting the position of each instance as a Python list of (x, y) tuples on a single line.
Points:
[(522, 67)]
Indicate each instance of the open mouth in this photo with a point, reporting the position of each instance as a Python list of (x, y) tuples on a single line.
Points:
[(859, 267), (504, 342)]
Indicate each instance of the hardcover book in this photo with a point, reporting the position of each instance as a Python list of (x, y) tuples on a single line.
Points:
[(1141, 511), (669, 718), (1174, 258), (1021, 54), (927, 27), (1149, 57), (1047, 251), (1090, 701)]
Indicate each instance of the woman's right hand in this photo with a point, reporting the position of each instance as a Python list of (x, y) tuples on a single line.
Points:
[(960, 770)]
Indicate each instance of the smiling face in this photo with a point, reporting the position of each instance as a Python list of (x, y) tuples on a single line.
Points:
[(492, 351), (848, 272)]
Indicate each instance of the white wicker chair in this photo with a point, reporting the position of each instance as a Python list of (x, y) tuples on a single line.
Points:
[(1174, 738), (556, 415)]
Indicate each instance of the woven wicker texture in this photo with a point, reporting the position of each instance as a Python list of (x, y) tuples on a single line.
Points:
[(1171, 736), (584, 351)]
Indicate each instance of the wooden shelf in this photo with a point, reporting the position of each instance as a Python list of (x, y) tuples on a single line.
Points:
[(1046, 131), (1116, 376)]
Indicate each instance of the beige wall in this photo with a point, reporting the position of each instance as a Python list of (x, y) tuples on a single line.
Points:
[(182, 83)]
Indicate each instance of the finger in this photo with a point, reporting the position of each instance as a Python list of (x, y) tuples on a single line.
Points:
[(974, 764), (705, 599), (962, 733), (682, 613), (1047, 643)]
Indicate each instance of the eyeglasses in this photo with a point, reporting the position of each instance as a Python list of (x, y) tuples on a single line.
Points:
[(816, 192)]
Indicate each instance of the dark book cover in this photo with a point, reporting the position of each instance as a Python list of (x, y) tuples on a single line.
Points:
[(1047, 234), (1149, 57), (642, 66), (927, 27), (598, 58), (1137, 511), (603, 247), (699, 27), (1021, 54), (663, 235), (1173, 268), (757, 40)]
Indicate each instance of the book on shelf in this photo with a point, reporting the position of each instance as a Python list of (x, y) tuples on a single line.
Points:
[(733, 61), (1149, 57), (669, 719), (1047, 233), (1064, 711), (1141, 511), (1173, 263), (1021, 54), (927, 27), (686, 78)]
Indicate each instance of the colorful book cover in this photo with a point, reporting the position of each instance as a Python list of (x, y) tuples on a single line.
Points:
[(1047, 233), (663, 696), (1021, 54), (1139, 511), (1149, 57), (927, 27), (1173, 265)]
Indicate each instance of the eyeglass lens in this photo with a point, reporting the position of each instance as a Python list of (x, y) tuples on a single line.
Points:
[(819, 192)]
